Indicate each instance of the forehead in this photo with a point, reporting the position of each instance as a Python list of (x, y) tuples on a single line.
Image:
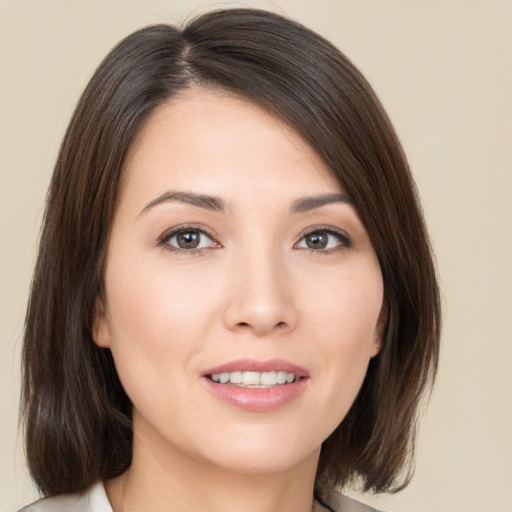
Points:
[(219, 144)]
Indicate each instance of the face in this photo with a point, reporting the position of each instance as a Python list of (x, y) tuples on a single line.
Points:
[(243, 295)]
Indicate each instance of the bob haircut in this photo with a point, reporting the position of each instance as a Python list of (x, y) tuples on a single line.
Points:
[(77, 416)]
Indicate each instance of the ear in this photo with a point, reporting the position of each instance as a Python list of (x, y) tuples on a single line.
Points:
[(100, 330), (380, 328)]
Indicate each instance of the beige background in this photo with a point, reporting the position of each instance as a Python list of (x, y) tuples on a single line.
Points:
[(443, 69)]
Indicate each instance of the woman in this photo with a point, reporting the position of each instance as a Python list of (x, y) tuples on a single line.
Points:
[(234, 304)]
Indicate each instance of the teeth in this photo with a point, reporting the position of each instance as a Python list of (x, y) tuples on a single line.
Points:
[(250, 378), (254, 379), (235, 377), (268, 379), (281, 377)]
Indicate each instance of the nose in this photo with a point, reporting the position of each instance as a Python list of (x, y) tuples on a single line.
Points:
[(261, 297)]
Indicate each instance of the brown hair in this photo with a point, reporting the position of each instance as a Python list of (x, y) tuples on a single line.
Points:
[(77, 415)]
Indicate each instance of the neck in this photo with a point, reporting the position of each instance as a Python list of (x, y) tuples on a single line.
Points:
[(162, 478)]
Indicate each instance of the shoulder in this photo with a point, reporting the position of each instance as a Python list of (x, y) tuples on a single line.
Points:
[(338, 503), (92, 500)]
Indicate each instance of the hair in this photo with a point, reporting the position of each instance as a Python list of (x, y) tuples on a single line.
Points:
[(78, 418)]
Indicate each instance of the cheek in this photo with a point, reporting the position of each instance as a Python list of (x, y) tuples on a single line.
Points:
[(344, 323), (150, 302), (157, 323), (345, 310)]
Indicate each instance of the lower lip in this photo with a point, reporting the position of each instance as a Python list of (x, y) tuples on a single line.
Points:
[(257, 399)]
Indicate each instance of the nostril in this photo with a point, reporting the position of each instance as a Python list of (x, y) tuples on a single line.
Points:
[(279, 325)]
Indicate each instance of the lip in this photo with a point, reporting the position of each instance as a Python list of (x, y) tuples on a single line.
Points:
[(257, 399), (254, 365)]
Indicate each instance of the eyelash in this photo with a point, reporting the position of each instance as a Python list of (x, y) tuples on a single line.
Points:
[(163, 241), (343, 239)]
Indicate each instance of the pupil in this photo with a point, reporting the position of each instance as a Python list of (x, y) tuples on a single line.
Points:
[(316, 241), (188, 239)]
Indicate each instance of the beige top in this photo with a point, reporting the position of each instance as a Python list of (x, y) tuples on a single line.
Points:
[(95, 500)]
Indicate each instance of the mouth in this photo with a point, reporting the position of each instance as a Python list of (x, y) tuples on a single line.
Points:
[(257, 386), (255, 380)]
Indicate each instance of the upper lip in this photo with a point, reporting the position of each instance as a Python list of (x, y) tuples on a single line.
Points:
[(254, 365)]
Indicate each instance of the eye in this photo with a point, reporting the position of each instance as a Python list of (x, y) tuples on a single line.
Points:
[(324, 240), (188, 239)]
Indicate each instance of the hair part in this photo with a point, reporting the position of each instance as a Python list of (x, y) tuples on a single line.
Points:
[(78, 419)]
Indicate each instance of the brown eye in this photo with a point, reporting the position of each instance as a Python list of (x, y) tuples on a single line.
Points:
[(316, 240), (324, 240), (188, 239)]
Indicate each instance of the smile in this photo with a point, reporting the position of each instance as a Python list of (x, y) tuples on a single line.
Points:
[(256, 385), (248, 379)]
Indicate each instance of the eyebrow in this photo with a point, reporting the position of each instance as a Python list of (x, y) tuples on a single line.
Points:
[(201, 200), (305, 204), (213, 203)]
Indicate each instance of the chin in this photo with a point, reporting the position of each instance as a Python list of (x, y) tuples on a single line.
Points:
[(266, 462), (262, 452)]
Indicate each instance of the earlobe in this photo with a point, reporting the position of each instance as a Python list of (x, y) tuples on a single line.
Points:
[(375, 348), (100, 331), (379, 330)]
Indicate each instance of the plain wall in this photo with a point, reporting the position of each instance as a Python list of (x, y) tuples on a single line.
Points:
[(443, 70)]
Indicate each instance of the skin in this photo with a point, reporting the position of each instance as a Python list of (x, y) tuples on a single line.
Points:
[(252, 289)]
